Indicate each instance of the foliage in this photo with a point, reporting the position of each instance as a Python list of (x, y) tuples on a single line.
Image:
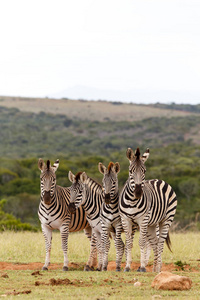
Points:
[(180, 264), (27, 135), (9, 222), (81, 145), (183, 107)]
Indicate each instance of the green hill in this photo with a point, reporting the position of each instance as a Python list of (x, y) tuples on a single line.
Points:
[(82, 133)]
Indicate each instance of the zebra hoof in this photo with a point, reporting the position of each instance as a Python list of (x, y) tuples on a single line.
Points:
[(141, 269), (118, 269), (44, 268), (104, 269), (127, 269), (98, 269), (88, 268), (65, 268)]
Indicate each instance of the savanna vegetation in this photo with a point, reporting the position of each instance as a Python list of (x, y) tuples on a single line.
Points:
[(80, 144), (21, 273)]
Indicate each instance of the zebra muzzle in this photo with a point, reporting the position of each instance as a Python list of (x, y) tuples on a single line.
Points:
[(72, 208), (47, 197), (138, 191), (107, 198)]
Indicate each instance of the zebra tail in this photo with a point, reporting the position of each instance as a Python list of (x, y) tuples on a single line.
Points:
[(168, 242)]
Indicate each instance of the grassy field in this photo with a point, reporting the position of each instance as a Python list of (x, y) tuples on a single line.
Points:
[(90, 110), (20, 251)]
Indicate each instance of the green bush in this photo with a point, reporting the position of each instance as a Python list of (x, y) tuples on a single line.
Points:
[(9, 222)]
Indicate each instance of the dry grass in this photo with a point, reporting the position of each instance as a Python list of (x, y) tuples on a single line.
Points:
[(76, 284), (89, 110)]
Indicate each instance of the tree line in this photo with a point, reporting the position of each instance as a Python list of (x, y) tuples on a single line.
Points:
[(81, 145)]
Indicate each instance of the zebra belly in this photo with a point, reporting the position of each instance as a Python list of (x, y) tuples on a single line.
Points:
[(51, 223)]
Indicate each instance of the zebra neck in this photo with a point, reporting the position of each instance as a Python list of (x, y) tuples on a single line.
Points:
[(62, 194), (92, 184), (131, 190), (114, 200), (93, 198)]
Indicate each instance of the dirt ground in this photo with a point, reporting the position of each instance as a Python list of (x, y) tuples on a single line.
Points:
[(111, 266)]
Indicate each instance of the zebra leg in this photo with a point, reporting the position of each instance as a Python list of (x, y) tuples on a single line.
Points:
[(142, 245), (129, 233), (47, 233), (105, 242), (64, 231), (92, 261), (148, 245), (152, 239), (99, 249), (147, 252), (119, 246), (164, 228)]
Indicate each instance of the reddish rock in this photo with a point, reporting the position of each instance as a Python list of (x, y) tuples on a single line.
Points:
[(169, 281)]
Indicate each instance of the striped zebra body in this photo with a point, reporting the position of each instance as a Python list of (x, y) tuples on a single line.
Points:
[(152, 205), (109, 216), (88, 193), (54, 213)]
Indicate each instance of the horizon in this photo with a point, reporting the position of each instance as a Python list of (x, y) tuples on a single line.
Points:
[(95, 100)]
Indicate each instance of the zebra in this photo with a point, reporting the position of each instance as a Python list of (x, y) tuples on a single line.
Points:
[(109, 215), (151, 204), (88, 193), (54, 213)]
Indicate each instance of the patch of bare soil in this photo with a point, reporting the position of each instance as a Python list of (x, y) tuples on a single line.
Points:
[(66, 281), (16, 293), (74, 266)]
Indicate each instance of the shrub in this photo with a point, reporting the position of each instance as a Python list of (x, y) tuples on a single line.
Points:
[(9, 222)]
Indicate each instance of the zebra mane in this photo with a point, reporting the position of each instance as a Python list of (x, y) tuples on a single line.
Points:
[(137, 153), (91, 181), (77, 176), (48, 164), (111, 164)]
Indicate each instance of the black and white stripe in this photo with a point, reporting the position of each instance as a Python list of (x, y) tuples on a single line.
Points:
[(88, 193), (109, 216), (54, 214), (151, 204)]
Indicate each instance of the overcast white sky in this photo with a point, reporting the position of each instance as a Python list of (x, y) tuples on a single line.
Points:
[(124, 47)]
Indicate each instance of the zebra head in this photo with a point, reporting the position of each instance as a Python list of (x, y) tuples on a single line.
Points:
[(77, 190), (110, 180), (47, 179), (137, 170)]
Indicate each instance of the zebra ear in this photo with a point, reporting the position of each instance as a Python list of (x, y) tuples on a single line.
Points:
[(71, 177), (116, 167), (83, 177), (145, 156), (55, 165), (41, 164), (130, 154), (102, 168)]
